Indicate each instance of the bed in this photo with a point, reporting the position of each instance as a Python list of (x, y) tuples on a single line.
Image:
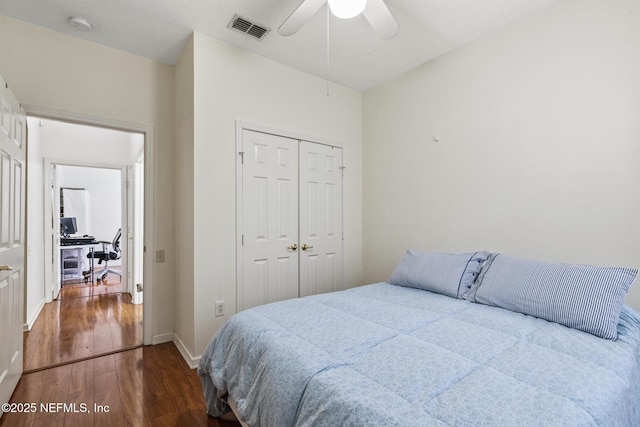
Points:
[(437, 346)]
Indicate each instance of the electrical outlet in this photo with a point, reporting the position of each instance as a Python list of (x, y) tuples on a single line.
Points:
[(160, 255), (219, 308)]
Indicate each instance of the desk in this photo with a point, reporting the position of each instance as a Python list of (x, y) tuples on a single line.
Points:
[(71, 257)]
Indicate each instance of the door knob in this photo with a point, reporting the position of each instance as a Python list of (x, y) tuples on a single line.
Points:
[(293, 247), (5, 267), (304, 247)]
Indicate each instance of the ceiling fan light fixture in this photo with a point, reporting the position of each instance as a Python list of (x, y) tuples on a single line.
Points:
[(347, 9)]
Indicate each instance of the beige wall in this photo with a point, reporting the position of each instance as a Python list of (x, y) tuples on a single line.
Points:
[(232, 84), (538, 151), (184, 203), (55, 71)]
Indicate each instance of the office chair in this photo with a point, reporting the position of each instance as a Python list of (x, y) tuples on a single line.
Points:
[(106, 256)]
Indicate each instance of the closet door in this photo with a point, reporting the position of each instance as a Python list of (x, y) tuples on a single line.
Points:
[(291, 219), (269, 269), (13, 134), (320, 218)]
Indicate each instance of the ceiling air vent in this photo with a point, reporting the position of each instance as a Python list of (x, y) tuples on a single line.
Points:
[(247, 27)]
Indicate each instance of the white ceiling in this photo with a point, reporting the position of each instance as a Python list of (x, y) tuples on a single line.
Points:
[(359, 59)]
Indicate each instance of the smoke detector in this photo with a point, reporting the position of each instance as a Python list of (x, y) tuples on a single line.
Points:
[(80, 23)]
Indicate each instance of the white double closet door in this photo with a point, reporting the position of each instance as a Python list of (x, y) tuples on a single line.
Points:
[(291, 215)]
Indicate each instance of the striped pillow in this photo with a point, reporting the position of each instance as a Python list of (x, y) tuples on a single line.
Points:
[(447, 274), (583, 297)]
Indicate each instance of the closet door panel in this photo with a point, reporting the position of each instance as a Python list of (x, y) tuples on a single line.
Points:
[(320, 218), (269, 219)]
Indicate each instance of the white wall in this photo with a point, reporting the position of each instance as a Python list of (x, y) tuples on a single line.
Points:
[(34, 295), (136, 146), (56, 71), (105, 189), (68, 142), (231, 84), (538, 153)]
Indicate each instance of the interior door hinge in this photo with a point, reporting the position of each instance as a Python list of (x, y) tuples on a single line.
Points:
[(243, 240), (241, 153), (342, 168)]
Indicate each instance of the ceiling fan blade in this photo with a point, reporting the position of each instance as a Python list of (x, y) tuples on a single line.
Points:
[(300, 16), (381, 19)]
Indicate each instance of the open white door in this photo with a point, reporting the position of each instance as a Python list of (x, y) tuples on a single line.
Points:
[(54, 201), (135, 223), (51, 216), (13, 133)]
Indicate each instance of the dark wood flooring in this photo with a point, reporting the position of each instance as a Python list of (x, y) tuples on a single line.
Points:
[(148, 386), (144, 386), (84, 321)]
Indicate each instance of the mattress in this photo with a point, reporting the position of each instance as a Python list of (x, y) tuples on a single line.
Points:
[(388, 355)]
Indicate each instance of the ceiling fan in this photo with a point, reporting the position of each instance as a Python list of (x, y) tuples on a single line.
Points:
[(375, 11)]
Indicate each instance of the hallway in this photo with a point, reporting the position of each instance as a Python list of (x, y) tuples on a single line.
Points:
[(83, 322)]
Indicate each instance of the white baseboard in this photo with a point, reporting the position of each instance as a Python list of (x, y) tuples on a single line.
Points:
[(186, 354), (27, 326), (162, 338)]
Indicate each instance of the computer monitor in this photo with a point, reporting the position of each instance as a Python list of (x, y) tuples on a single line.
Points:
[(68, 226)]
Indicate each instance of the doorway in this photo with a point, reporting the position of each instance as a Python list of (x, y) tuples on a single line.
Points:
[(102, 164), (90, 199)]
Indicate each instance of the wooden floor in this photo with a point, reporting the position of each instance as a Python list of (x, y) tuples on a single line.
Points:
[(84, 321), (146, 386), (149, 386)]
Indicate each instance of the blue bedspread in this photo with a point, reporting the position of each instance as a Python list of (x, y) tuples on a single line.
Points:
[(384, 355)]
